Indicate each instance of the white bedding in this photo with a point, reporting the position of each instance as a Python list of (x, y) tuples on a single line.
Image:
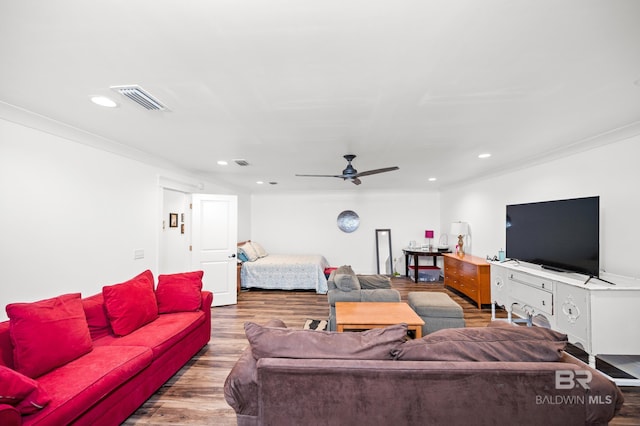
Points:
[(286, 272)]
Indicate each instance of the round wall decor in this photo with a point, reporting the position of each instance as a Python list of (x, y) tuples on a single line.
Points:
[(348, 221)]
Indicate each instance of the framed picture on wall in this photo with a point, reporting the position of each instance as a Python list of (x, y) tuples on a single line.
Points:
[(173, 220)]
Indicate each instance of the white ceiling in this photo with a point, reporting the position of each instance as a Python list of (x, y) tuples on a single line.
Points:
[(292, 85)]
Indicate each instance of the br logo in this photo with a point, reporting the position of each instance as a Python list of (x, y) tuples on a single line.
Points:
[(569, 379)]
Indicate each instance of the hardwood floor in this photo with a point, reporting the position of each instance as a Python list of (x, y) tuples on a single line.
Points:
[(194, 396)]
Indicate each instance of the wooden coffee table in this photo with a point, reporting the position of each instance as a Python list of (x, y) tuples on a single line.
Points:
[(367, 315)]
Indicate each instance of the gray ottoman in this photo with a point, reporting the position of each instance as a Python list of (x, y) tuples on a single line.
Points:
[(437, 310)]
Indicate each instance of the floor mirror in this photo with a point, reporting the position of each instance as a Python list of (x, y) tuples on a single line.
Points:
[(383, 252)]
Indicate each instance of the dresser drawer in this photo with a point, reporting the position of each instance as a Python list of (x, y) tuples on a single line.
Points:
[(452, 272), (538, 282), (469, 290), (468, 269), (450, 264), (468, 283), (526, 295)]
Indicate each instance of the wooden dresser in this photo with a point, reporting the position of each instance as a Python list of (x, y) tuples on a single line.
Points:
[(470, 275)]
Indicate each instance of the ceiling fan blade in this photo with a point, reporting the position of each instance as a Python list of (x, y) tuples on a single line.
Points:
[(336, 176), (376, 171), (350, 173)]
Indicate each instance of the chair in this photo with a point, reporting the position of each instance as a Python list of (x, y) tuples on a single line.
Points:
[(346, 286)]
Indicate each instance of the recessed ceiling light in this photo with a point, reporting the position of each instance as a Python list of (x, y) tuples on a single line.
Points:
[(432, 179), (259, 182), (104, 101), (222, 163), (485, 155)]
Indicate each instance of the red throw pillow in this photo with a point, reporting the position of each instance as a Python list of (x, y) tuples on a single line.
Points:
[(96, 315), (179, 292), (48, 333), (21, 391), (131, 304)]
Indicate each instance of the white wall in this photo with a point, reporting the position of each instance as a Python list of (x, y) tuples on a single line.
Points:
[(610, 171), (244, 217), (72, 215), (307, 223)]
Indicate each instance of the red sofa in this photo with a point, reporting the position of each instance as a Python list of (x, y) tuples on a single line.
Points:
[(68, 360)]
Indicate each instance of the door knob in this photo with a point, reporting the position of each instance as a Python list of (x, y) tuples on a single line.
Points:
[(232, 255)]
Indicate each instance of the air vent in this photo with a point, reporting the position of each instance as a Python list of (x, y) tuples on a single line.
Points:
[(241, 162), (138, 95)]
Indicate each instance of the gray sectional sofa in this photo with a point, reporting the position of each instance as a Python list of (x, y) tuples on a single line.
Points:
[(346, 286), (482, 376)]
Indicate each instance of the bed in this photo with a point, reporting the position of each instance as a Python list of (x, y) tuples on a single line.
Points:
[(281, 271)]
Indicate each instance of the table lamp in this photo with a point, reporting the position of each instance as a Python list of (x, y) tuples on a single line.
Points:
[(429, 235), (460, 229)]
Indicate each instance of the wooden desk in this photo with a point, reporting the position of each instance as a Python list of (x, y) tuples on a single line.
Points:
[(368, 315), (416, 253)]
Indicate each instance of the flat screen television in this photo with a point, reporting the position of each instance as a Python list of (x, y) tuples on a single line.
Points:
[(562, 235)]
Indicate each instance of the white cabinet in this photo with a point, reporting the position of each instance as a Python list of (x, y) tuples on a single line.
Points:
[(573, 315), (499, 287), (597, 316)]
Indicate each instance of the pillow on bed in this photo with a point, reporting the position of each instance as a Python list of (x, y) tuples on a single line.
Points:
[(260, 251), (248, 251)]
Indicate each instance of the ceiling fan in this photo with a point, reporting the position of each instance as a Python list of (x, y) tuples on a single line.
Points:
[(352, 174)]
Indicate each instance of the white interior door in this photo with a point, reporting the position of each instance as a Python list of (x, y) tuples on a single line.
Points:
[(214, 244)]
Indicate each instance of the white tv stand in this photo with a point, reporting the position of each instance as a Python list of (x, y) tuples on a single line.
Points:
[(598, 317)]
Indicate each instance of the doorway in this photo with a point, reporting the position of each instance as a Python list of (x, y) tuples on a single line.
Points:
[(174, 255), (199, 232)]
